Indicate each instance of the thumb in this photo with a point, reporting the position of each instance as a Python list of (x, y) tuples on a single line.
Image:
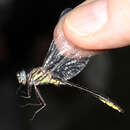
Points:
[(99, 25)]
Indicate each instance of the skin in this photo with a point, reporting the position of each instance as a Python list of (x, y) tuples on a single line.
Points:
[(95, 26)]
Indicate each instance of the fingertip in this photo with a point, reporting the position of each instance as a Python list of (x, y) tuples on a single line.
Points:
[(113, 33), (66, 47), (89, 27)]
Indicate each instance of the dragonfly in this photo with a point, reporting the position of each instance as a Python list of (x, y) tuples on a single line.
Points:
[(58, 69)]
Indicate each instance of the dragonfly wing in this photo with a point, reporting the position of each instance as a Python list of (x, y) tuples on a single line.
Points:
[(52, 58), (61, 64), (63, 67), (69, 67), (53, 55)]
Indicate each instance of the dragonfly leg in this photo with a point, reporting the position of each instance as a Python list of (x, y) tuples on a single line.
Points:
[(41, 101), (29, 88), (29, 104)]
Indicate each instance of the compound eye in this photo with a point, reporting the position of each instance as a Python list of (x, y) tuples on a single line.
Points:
[(21, 77)]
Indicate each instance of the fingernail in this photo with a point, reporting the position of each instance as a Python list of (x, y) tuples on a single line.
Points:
[(87, 18)]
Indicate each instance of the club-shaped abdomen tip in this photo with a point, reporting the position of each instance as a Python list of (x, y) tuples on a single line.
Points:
[(111, 104), (21, 76)]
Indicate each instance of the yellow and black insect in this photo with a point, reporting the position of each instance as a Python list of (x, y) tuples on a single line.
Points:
[(57, 69)]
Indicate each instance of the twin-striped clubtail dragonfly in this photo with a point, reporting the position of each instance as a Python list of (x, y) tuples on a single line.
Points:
[(57, 69)]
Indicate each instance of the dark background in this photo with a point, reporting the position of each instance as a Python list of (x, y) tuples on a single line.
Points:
[(26, 30)]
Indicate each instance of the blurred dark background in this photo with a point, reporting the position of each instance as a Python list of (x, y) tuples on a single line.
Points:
[(26, 30)]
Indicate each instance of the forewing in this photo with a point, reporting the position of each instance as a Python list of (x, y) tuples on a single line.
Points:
[(64, 64), (63, 67), (69, 67), (52, 58)]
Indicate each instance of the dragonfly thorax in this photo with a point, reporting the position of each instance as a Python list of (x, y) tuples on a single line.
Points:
[(40, 76), (37, 75), (22, 78)]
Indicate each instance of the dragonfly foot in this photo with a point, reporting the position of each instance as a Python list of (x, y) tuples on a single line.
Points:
[(29, 104), (38, 111)]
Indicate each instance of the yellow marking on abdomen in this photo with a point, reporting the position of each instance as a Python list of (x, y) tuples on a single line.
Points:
[(55, 82), (47, 79), (110, 104)]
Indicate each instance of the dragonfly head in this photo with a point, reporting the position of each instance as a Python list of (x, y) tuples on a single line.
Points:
[(21, 76)]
